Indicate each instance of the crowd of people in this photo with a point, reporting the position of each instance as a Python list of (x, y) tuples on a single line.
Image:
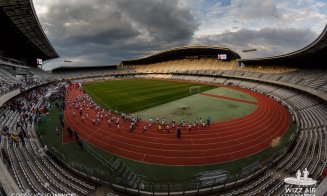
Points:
[(25, 105)]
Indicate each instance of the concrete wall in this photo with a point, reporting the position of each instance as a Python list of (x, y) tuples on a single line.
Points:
[(4, 98)]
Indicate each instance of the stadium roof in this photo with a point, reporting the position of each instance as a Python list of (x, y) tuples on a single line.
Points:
[(313, 55), (183, 52), (21, 35), (75, 68)]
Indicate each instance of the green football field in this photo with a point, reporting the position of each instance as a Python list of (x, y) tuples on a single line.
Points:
[(137, 94), (169, 99)]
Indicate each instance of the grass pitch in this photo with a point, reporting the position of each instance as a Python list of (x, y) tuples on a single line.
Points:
[(197, 106), (137, 94)]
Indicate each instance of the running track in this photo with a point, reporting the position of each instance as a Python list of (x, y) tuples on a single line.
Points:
[(221, 142)]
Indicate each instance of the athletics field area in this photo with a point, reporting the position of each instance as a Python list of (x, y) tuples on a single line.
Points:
[(245, 127)]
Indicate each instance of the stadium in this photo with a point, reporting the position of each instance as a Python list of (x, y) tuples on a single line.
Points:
[(188, 120)]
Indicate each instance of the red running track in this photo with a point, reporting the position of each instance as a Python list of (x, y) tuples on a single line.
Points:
[(219, 143)]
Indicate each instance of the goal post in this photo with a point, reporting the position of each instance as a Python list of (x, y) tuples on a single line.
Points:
[(194, 89)]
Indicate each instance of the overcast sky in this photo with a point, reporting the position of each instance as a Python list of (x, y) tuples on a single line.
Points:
[(105, 32)]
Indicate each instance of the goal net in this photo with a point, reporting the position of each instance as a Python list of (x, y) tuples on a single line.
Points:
[(194, 89)]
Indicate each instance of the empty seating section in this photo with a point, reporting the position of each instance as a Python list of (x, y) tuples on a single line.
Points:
[(302, 101), (8, 82), (283, 93), (265, 88), (233, 82), (42, 75), (87, 73), (183, 65), (248, 84), (315, 116)]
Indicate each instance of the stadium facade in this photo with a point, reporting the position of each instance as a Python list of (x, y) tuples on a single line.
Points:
[(22, 37)]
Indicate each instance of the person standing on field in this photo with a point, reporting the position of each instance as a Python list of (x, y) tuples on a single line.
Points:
[(178, 133)]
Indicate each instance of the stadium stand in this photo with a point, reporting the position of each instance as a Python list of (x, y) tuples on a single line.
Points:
[(309, 112), (64, 73), (309, 150)]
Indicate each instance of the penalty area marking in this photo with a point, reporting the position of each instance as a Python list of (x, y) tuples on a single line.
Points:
[(228, 98)]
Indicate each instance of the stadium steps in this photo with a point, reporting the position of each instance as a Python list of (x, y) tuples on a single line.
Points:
[(79, 184), (309, 163), (29, 175), (304, 154), (42, 176), (20, 177), (51, 172), (318, 158)]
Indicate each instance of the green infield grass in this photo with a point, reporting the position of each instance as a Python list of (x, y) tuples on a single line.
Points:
[(169, 99), (134, 95)]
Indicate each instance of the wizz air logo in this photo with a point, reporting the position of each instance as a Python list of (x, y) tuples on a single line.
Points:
[(300, 190), (300, 181)]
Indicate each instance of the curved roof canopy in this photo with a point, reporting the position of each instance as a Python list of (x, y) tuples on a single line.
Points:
[(313, 55), (183, 52), (21, 34), (83, 68)]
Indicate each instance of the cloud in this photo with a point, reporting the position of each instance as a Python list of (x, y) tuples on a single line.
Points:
[(114, 29), (160, 20), (254, 9), (272, 26), (226, 15), (268, 41)]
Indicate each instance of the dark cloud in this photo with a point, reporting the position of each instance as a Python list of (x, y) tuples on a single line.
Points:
[(163, 20), (83, 22), (115, 29), (268, 41)]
